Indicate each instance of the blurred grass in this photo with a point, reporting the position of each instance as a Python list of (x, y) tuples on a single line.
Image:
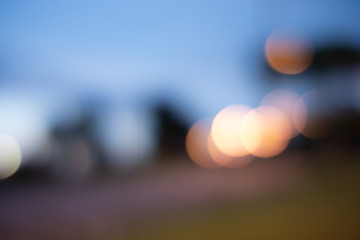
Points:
[(326, 206)]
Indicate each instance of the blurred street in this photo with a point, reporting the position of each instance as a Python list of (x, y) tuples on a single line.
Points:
[(70, 210)]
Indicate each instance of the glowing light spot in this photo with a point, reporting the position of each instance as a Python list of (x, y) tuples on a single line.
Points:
[(10, 156), (288, 53), (291, 104), (197, 144), (276, 124), (225, 160), (267, 132), (270, 147), (252, 131), (225, 130)]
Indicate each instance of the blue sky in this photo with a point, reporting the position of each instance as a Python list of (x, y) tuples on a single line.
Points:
[(206, 53)]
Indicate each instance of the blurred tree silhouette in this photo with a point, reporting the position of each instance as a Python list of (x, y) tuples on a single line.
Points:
[(171, 132), (335, 56), (77, 150)]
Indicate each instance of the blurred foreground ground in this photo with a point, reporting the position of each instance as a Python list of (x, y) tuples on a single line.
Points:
[(292, 196)]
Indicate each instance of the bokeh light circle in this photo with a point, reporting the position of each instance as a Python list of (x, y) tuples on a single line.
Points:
[(288, 53), (291, 104), (226, 132), (226, 160), (267, 132), (275, 122), (10, 155), (252, 131), (197, 144)]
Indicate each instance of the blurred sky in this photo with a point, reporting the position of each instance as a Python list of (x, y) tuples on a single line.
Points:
[(204, 54)]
